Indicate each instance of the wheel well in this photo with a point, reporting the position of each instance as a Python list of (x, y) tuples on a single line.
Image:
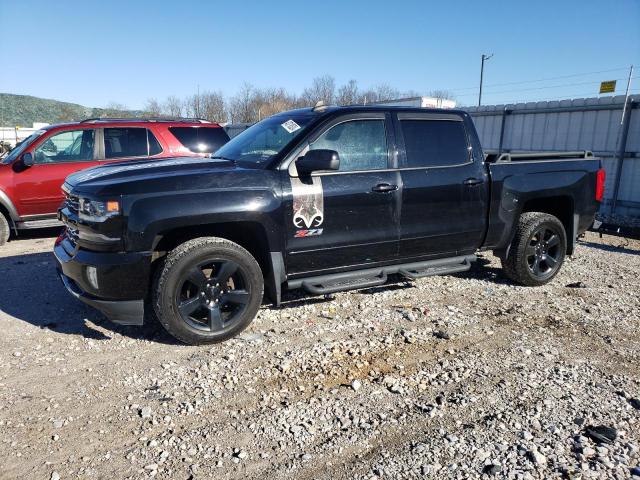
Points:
[(559, 207), (249, 235)]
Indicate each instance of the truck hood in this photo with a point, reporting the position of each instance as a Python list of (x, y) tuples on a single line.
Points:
[(117, 178)]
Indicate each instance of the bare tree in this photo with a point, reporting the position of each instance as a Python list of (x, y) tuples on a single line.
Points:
[(385, 92), (193, 105), (270, 101), (442, 94), (348, 93), (153, 108), (172, 106), (241, 106), (212, 106), (322, 89), (114, 109)]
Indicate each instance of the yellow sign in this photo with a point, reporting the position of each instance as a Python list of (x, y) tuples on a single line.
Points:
[(608, 87)]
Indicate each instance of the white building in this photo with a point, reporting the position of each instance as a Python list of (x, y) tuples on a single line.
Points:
[(424, 102), (13, 135)]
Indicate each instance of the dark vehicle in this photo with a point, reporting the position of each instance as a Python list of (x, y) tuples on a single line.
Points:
[(324, 199)]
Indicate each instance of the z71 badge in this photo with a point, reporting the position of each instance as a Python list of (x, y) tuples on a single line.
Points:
[(308, 206), (308, 233)]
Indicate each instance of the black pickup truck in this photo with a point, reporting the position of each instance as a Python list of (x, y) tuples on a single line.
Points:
[(324, 199)]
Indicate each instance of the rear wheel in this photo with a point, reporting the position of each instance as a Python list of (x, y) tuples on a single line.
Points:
[(5, 229), (537, 250), (208, 290)]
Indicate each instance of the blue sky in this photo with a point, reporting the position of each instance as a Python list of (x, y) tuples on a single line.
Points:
[(93, 53)]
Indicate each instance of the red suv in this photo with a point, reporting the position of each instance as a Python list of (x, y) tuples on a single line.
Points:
[(32, 173)]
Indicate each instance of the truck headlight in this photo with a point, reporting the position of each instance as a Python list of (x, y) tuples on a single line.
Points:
[(98, 211)]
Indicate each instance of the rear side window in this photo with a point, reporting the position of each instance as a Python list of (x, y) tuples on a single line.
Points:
[(130, 142), (200, 139), (434, 143)]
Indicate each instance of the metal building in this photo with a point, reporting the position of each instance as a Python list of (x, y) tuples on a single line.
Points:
[(596, 124)]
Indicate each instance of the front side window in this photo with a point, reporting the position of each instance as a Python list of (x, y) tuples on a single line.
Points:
[(129, 142), (67, 146), (22, 146), (200, 139), (361, 144), (434, 143)]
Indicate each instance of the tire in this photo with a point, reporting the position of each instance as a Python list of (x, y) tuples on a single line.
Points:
[(537, 250), (207, 290), (5, 229)]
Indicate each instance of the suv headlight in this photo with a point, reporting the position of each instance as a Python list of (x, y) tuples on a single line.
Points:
[(98, 211)]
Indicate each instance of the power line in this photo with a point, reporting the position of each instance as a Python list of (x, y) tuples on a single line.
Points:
[(540, 79), (570, 96), (539, 88)]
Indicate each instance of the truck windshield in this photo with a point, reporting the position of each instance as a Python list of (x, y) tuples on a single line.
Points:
[(22, 146), (258, 144)]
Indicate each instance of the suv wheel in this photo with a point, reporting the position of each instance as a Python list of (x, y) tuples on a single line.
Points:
[(207, 290), (5, 230), (537, 250)]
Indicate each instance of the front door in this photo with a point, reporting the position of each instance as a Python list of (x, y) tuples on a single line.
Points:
[(38, 188), (347, 217), (445, 188)]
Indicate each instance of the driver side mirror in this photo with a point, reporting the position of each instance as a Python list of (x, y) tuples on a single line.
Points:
[(27, 159), (317, 160)]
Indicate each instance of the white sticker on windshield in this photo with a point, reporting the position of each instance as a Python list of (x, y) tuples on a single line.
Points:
[(290, 126)]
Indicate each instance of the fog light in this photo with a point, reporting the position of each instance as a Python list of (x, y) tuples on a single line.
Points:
[(92, 276)]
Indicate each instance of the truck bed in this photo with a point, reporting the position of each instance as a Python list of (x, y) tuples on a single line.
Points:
[(566, 182)]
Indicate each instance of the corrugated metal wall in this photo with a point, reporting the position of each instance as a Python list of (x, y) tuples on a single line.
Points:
[(582, 124)]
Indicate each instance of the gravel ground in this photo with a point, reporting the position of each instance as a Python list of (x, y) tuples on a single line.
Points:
[(461, 376)]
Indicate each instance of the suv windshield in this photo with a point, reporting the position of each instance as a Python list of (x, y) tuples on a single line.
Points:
[(261, 142), (21, 147)]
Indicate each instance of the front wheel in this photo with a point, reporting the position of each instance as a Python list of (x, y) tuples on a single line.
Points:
[(537, 250), (208, 290)]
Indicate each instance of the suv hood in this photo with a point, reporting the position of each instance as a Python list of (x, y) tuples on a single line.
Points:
[(114, 175)]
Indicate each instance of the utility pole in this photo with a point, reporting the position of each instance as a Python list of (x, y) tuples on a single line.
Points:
[(484, 57), (626, 94)]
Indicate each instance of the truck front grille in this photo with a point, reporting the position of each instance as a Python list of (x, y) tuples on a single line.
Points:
[(72, 202)]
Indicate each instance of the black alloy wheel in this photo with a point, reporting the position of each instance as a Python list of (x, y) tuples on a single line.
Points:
[(537, 251), (213, 295), (207, 290), (543, 252)]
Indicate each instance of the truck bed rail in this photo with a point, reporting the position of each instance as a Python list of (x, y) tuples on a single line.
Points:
[(494, 156)]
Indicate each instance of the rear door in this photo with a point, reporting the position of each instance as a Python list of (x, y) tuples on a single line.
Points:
[(444, 188), (63, 153), (347, 217)]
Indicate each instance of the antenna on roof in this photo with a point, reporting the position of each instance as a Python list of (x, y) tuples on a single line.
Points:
[(320, 106)]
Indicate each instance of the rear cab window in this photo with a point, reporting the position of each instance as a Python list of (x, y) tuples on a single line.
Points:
[(200, 139), (434, 142)]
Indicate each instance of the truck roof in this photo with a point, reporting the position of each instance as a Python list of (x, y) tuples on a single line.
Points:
[(369, 108)]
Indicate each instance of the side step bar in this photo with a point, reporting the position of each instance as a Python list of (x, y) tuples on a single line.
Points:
[(373, 277)]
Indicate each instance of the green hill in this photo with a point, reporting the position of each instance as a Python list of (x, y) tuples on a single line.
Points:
[(23, 110)]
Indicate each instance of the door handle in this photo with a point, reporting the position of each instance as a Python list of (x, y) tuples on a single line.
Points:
[(472, 181), (384, 188)]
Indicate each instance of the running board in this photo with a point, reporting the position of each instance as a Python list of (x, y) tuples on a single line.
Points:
[(32, 224), (374, 277)]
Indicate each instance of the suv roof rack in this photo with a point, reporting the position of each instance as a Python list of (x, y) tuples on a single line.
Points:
[(145, 119)]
